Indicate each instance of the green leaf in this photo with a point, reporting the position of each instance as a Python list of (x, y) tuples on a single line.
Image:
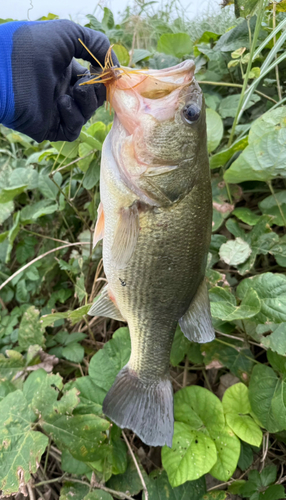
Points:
[(5, 388), (73, 352), (180, 347), (246, 456), (245, 428), (91, 396), (73, 491), (246, 215), (81, 434), (236, 37), (5, 210), (30, 330), (73, 466), (277, 362), (276, 340), (229, 105), (159, 488), (236, 400), (232, 354), (274, 492), (222, 305), (90, 140), (228, 451), (215, 495), (67, 149), (37, 210), (80, 291), (119, 451), (84, 150), (271, 290), (199, 408), (47, 186), (122, 54), (268, 475), (92, 175), (129, 481), (108, 20), (175, 44), (220, 158), (179, 461), (106, 363), (21, 291), (9, 193), (12, 365), (235, 252), (21, 447), (140, 55), (33, 383), (214, 129), (267, 395), (270, 206), (98, 495), (264, 157), (73, 316)]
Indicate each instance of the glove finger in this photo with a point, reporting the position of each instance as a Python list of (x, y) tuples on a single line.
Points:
[(88, 97), (77, 71), (72, 119)]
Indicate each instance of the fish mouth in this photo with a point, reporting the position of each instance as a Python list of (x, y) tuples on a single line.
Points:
[(149, 92), (154, 83)]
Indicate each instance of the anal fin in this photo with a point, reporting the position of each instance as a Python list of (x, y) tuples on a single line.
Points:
[(104, 306), (125, 237), (196, 324)]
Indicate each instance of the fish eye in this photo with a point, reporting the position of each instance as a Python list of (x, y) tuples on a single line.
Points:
[(191, 113)]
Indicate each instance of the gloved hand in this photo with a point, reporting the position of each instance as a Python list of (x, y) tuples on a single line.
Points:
[(40, 93)]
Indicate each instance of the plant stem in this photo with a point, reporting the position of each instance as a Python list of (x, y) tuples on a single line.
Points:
[(73, 162), (43, 236), (118, 494), (277, 201), (51, 480), (38, 258), (70, 203), (255, 36), (236, 85), (137, 466), (274, 41)]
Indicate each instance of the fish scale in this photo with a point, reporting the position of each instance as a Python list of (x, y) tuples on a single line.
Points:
[(155, 246)]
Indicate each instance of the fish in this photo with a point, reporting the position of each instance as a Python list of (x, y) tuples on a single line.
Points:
[(155, 219)]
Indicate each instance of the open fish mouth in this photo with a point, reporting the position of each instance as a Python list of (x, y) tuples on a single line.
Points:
[(155, 84)]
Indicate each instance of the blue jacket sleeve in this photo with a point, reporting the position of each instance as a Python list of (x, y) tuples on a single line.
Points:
[(7, 105), (40, 92)]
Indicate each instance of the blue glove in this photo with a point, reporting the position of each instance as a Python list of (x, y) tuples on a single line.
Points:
[(40, 93)]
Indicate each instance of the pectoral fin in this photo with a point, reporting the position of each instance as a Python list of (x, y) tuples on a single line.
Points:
[(104, 306), (196, 324), (125, 237), (99, 227)]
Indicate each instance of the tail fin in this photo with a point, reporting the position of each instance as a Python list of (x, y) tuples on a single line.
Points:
[(145, 408)]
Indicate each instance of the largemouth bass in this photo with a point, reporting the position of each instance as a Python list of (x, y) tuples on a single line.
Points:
[(155, 218)]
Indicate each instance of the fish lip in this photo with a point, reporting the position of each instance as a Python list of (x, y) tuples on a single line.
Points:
[(182, 67)]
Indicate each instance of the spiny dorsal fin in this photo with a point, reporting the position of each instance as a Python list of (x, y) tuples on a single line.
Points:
[(196, 324), (104, 306), (125, 237), (99, 227)]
